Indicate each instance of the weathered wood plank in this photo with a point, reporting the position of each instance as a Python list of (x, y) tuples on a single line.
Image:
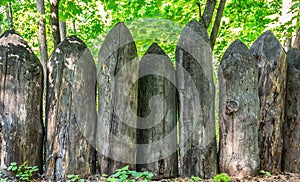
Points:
[(198, 151), (117, 73), (272, 66), (157, 111), (291, 134), (239, 111), (21, 83), (71, 111)]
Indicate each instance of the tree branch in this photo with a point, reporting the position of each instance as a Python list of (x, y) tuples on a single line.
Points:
[(199, 10), (217, 23), (208, 13)]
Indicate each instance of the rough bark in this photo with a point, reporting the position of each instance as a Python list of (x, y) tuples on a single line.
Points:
[(42, 32), (54, 20), (208, 13), (291, 150), (217, 22), (21, 81), (271, 59), (71, 111), (117, 99), (157, 129), (198, 151), (62, 30), (239, 111)]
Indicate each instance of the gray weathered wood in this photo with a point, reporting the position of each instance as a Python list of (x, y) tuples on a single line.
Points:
[(198, 151), (117, 72), (21, 81), (291, 134), (157, 109), (239, 111), (71, 111), (271, 60)]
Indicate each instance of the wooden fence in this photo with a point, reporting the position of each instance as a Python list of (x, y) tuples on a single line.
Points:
[(150, 115)]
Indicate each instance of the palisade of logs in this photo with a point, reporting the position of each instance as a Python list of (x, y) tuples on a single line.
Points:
[(152, 115)]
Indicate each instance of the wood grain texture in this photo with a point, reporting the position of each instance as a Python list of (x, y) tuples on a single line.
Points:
[(157, 103), (291, 132), (71, 111), (117, 73), (239, 111), (198, 151), (21, 82), (271, 60)]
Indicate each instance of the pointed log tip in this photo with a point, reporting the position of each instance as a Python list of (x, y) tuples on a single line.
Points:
[(266, 38), (11, 38), (267, 45), (11, 33), (74, 38), (197, 27), (121, 25), (155, 49), (238, 46)]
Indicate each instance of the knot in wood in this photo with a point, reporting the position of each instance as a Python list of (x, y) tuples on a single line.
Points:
[(231, 106)]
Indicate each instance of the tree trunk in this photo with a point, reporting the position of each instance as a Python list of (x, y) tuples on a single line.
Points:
[(198, 149), (239, 112), (271, 59), (208, 13), (71, 115), (54, 19), (287, 43), (117, 99), (291, 150), (21, 81), (62, 30), (157, 129), (297, 40), (217, 22), (42, 32), (11, 16)]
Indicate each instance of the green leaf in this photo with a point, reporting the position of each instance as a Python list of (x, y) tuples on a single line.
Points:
[(70, 176), (117, 174)]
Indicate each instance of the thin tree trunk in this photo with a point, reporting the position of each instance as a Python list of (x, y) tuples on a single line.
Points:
[(287, 43), (217, 22), (208, 13), (297, 40), (199, 10), (11, 16), (54, 4), (62, 30), (42, 32), (74, 26)]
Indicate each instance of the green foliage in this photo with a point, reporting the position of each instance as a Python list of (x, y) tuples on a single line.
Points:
[(266, 173), (223, 177), (195, 178), (73, 177), (22, 172), (124, 174)]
